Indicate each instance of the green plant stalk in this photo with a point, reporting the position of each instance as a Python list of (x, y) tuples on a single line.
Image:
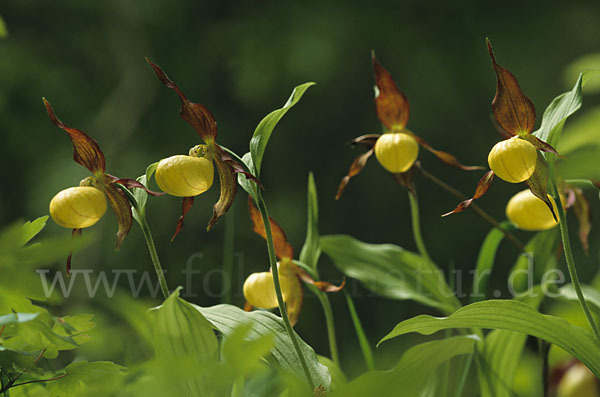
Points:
[(152, 249), (464, 375), (416, 225), (360, 333), (564, 231), (328, 311), (228, 242), (262, 207)]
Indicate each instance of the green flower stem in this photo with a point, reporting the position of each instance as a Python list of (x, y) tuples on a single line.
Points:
[(583, 183), (228, 242), (360, 333), (262, 207), (328, 311), (416, 225), (564, 231), (141, 219)]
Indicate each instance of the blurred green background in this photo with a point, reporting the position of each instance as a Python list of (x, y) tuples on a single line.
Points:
[(242, 59)]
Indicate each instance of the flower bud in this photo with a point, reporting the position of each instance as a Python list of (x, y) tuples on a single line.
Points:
[(513, 159), (78, 207), (259, 289), (528, 212), (396, 152), (578, 381), (184, 176)]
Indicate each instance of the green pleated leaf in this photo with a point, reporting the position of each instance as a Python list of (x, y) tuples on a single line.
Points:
[(15, 318), (485, 261), (265, 128), (391, 271), (79, 374), (411, 374), (591, 295), (512, 316), (539, 257), (561, 108), (226, 318), (311, 250), (182, 332)]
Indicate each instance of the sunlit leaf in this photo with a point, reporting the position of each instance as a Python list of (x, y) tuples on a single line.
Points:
[(226, 318), (512, 316), (81, 373), (513, 111), (591, 295), (390, 271), (265, 128), (3, 29), (15, 318), (182, 331), (311, 250), (561, 108), (411, 374), (31, 229)]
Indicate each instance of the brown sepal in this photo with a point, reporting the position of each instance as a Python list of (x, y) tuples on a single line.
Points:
[(122, 209), (537, 183), (391, 104), (248, 307), (539, 144), (446, 157), (228, 183), (513, 111), (581, 209), (295, 296), (321, 285), (74, 234), (132, 183), (283, 249), (186, 205), (357, 165), (85, 150), (198, 116), (596, 183), (482, 187)]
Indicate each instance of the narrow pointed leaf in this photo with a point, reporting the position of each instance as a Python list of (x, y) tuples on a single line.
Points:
[(446, 157), (390, 103), (413, 371), (390, 271), (85, 150), (561, 108), (355, 168), (513, 316), (226, 318), (265, 128), (513, 111), (122, 209), (538, 183), (186, 206), (311, 250), (283, 249), (228, 186), (197, 115), (482, 187)]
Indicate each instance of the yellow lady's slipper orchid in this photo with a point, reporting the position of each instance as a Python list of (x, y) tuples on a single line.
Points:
[(259, 289), (578, 381), (513, 159), (396, 152), (184, 176), (78, 207), (528, 212)]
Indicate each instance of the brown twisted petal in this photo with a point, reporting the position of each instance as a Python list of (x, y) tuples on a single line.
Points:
[(482, 187), (74, 234), (513, 111), (446, 157), (228, 185), (122, 209), (197, 115), (186, 205), (537, 183), (581, 209), (355, 168), (321, 285), (132, 183), (283, 249), (86, 151), (390, 103)]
